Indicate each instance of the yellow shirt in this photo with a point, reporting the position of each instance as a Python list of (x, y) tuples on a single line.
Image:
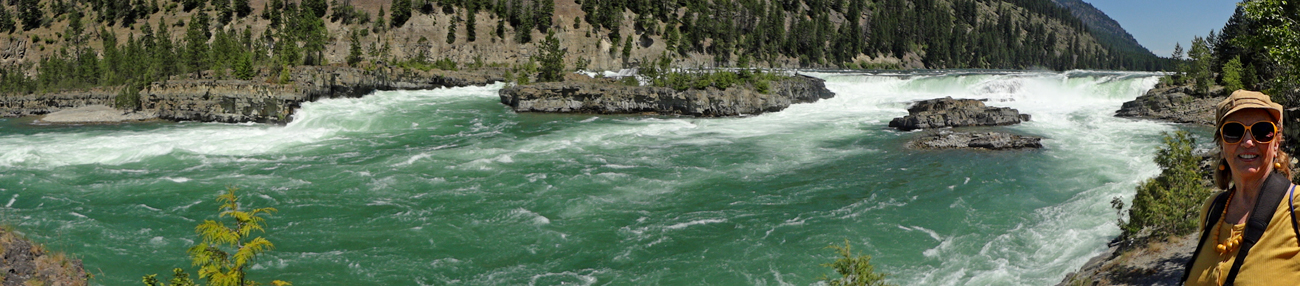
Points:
[(1272, 261)]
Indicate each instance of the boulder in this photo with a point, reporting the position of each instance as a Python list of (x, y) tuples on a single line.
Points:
[(949, 112), (604, 97), (948, 139)]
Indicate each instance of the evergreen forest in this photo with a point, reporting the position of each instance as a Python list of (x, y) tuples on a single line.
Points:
[(77, 44)]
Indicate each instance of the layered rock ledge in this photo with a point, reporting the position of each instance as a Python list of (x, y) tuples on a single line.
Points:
[(1172, 103), (948, 139), (234, 101), (611, 98), (949, 112)]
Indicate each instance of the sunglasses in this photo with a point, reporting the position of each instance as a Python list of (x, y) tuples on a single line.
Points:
[(1262, 131)]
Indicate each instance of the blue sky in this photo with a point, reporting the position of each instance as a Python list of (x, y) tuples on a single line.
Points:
[(1158, 24)]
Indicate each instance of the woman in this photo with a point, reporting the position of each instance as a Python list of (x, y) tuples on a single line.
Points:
[(1252, 221)]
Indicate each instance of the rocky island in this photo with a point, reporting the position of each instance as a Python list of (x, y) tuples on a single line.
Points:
[(1179, 104), (608, 97), (949, 112)]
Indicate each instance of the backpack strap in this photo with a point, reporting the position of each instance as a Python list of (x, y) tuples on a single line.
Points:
[(1290, 197), (1270, 195), (1211, 219)]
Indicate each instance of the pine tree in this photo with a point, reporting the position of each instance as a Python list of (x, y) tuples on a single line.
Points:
[(1232, 72), (7, 24), (318, 7), (627, 48), (224, 12), (196, 40), (470, 23), (244, 67), (242, 8), (401, 12), (544, 14), (30, 13), (451, 30), (551, 57), (354, 50), (501, 28), (1199, 70)]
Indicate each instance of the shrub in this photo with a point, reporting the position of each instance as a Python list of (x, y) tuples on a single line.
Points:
[(762, 86), (1169, 204), (225, 250), (724, 80), (854, 271), (679, 81), (702, 81), (128, 98)]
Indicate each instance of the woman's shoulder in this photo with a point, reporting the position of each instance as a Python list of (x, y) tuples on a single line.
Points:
[(1209, 202)]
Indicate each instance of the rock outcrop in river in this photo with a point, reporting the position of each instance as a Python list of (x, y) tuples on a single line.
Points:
[(593, 96), (1172, 103), (246, 101), (949, 112), (948, 139)]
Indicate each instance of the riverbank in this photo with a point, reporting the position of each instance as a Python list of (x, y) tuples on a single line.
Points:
[(27, 263), (232, 101)]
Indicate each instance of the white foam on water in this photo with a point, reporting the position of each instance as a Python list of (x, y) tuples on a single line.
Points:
[(313, 122), (1074, 111)]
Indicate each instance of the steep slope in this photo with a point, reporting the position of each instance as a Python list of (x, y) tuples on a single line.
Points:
[(58, 44), (1103, 26)]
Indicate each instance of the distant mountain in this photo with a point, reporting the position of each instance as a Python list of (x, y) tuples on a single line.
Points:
[(1103, 27)]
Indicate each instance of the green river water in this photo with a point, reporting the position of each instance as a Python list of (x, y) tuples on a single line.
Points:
[(449, 187)]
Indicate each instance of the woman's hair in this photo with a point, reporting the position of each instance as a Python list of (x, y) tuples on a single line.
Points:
[(1223, 171)]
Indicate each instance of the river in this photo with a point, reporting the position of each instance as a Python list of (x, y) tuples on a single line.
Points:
[(448, 186)]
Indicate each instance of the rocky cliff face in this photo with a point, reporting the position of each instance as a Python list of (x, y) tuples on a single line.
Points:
[(246, 101), (605, 97), (949, 112)]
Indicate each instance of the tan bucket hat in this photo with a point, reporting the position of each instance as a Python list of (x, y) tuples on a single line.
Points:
[(1245, 99)]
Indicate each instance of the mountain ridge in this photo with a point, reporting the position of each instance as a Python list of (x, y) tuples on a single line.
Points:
[(1103, 26)]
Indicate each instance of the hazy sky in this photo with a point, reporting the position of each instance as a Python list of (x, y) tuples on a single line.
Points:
[(1158, 24)]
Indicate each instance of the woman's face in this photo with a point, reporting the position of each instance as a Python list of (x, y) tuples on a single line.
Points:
[(1250, 159)]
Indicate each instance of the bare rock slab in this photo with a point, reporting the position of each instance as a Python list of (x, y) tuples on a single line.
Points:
[(949, 112), (96, 114), (948, 139)]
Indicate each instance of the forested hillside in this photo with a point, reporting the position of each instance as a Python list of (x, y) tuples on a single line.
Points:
[(1103, 27), (62, 44)]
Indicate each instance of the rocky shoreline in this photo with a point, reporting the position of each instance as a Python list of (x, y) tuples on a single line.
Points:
[(234, 101), (606, 97), (25, 263)]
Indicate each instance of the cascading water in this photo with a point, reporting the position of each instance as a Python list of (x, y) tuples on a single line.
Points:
[(449, 187)]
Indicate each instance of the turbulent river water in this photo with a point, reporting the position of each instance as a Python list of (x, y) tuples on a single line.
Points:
[(448, 186)]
